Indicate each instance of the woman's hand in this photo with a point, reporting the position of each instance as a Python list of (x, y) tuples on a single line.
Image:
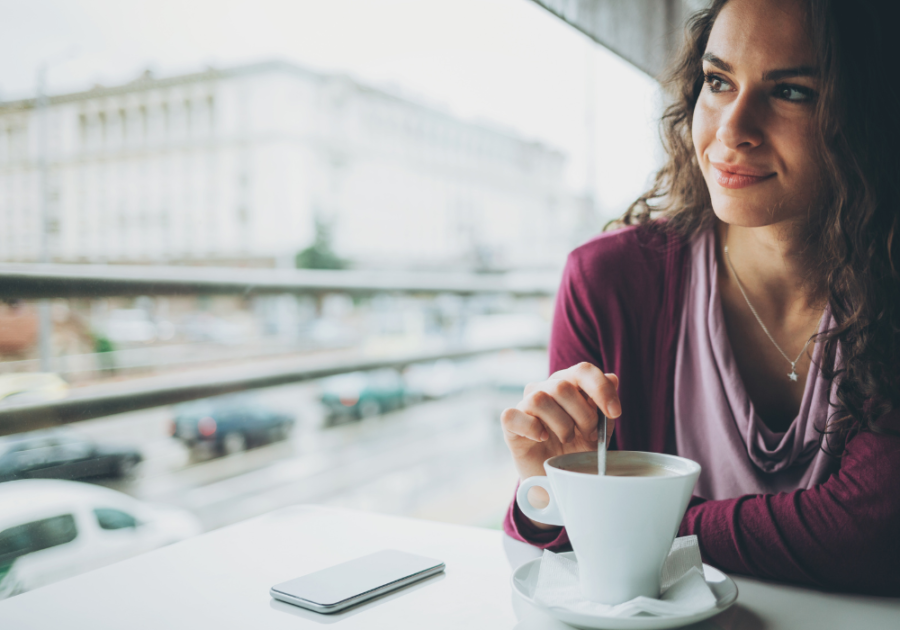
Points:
[(559, 416)]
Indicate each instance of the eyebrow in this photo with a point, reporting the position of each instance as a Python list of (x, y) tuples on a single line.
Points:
[(770, 75)]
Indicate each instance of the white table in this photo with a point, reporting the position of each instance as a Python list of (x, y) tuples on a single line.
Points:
[(221, 581)]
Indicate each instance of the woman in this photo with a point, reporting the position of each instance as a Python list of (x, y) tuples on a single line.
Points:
[(748, 315)]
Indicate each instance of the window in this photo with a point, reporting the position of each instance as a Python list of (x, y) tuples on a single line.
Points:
[(83, 130), (36, 536), (211, 110), (5, 135), (143, 123), (109, 518), (122, 122), (231, 174), (102, 119)]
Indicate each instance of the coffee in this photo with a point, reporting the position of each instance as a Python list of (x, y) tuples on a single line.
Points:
[(621, 469), (639, 470)]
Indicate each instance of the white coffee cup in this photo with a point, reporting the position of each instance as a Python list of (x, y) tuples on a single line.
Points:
[(621, 527)]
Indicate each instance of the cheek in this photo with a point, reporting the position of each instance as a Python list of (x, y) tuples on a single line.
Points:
[(798, 151), (702, 130)]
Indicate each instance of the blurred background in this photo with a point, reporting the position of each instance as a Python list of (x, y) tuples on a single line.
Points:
[(256, 253)]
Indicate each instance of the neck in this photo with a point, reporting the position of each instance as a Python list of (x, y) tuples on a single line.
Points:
[(768, 262)]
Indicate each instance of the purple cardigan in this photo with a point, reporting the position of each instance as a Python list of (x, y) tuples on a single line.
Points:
[(619, 307)]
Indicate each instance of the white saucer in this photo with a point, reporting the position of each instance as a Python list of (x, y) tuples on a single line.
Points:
[(524, 581)]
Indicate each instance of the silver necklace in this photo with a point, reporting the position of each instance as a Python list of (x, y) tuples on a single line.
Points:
[(793, 374)]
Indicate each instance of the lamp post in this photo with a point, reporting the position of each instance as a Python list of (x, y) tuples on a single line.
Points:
[(45, 323), (42, 102)]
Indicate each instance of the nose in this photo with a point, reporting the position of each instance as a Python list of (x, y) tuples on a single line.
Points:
[(739, 126)]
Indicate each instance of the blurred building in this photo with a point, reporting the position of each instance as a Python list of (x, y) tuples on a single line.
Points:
[(236, 165)]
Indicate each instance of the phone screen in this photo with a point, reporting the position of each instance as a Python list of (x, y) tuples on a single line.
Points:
[(345, 584)]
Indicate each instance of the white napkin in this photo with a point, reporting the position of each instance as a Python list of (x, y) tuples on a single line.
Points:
[(683, 589)]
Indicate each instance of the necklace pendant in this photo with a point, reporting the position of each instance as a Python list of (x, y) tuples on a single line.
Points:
[(793, 375)]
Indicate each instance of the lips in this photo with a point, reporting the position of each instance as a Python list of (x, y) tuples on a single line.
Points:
[(735, 176)]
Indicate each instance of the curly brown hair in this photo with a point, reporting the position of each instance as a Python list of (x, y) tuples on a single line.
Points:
[(852, 243)]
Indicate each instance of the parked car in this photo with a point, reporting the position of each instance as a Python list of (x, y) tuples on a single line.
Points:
[(441, 378), (52, 529), (61, 454), (206, 327), (26, 387), (229, 423), (363, 394), (130, 325), (10, 582)]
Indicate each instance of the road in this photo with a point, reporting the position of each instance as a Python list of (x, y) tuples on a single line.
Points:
[(442, 459)]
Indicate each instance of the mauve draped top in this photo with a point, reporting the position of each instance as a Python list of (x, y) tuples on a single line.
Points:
[(716, 424), (620, 307)]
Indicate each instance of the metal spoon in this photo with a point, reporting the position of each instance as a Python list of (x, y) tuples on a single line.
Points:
[(601, 443)]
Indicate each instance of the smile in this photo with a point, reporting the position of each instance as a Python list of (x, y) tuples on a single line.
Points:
[(727, 179)]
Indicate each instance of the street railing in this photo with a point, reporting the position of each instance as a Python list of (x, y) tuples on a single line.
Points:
[(40, 281), (34, 281), (95, 401)]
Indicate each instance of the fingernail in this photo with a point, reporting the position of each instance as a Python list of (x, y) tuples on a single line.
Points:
[(544, 436), (615, 409)]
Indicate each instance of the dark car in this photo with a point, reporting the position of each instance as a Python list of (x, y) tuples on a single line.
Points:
[(229, 423), (58, 454), (363, 394)]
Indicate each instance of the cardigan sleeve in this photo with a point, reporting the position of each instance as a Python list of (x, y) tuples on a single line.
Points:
[(571, 341), (842, 534), (607, 308)]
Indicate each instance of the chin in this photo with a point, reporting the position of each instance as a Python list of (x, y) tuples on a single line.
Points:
[(742, 213)]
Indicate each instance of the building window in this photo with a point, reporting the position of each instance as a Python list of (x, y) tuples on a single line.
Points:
[(189, 121), (102, 122), (143, 123), (82, 130), (164, 110), (210, 114), (123, 126)]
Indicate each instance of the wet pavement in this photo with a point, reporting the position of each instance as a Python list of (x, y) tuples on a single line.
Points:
[(442, 459)]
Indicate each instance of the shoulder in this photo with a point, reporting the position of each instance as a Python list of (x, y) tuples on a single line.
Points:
[(880, 447), (630, 260)]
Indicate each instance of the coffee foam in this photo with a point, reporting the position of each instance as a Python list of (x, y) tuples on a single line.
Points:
[(624, 469)]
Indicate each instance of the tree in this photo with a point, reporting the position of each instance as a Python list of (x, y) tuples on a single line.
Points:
[(319, 255)]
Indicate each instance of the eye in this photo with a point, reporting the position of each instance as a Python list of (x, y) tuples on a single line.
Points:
[(794, 93), (716, 83)]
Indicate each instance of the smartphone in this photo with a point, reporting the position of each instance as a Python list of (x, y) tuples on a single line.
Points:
[(349, 583)]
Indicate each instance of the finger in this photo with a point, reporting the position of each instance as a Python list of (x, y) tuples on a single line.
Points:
[(541, 405), (571, 399), (559, 374), (615, 380), (611, 423), (597, 385), (517, 423)]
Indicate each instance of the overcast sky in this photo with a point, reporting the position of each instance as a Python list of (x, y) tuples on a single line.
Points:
[(506, 61)]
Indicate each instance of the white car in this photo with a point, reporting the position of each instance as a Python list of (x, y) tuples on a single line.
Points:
[(53, 529), (130, 325)]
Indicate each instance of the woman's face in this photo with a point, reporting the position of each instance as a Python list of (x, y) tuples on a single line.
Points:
[(752, 126)]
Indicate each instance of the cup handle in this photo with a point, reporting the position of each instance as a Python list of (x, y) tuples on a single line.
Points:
[(549, 515)]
